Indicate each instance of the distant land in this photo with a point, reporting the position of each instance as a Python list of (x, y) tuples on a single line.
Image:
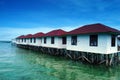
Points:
[(5, 41)]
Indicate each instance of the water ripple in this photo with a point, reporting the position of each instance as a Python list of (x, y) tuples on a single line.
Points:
[(20, 64)]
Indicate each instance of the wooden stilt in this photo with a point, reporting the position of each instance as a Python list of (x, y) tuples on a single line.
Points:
[(92, 58), (69, 56), (111, 60), (82, 54), (117, 58), (86, 59), (79, 57), (107, 60)]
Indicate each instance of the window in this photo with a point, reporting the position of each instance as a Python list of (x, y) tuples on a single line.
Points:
[(63, 40), (113, 40), (52, 40), (93, 40), (34, 40), (74, 40), (24, 40), (44, 39), (30, 40)]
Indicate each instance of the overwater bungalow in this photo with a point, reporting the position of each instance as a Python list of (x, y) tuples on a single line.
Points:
[(36, 39), (27, 39), (93, 43), (94, 38), (19, 39), (54, 39)]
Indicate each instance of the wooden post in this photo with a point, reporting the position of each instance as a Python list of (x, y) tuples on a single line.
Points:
[(111, 60), (68, 54), (117, 58), (106, 59), (92, 58)]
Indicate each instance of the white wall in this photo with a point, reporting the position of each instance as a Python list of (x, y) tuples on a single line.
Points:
[(104, 44), (24, 43), (111, 49), (60, 43), (57, 42), (37, 43), (19, 41)]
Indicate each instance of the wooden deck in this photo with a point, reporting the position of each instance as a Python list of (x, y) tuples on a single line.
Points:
[(84, 57)]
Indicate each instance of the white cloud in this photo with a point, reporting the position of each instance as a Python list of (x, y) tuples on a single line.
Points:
[(10, 33)]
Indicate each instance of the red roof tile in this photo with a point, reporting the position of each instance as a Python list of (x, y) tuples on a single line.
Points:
[(57, 32), (20, 36), (40, 34), (28, 36), (94, 28)]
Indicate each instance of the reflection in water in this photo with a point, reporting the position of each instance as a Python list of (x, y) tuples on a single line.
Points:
[(20, 64)]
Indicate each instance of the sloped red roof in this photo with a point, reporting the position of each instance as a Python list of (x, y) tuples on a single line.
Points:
[(28, 36), (40, 34), (58, 32), (94, 28), (22, 36)]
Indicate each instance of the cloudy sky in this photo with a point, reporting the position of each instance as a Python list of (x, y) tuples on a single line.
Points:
[(19, 17)]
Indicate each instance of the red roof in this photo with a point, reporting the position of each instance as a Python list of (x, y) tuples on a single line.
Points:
[(94, 28), (22, 36), (40, 34), (28, 36), (57, 32)]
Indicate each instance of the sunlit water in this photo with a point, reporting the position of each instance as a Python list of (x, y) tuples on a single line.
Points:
[(20, 64)]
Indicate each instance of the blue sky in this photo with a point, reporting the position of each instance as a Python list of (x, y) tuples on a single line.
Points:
[(19, 17)]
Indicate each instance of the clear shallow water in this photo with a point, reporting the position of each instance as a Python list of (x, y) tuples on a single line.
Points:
[(20, 64)]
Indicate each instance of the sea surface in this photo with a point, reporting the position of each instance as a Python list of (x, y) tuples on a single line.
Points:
[(21, 64)]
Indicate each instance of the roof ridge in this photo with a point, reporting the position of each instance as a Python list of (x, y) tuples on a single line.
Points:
[(39, 33), (106, 27), (110, 28), (93, 28)]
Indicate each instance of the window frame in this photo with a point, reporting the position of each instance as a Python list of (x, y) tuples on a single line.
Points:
[(30, 40), (64, 40), (52, 40), (34, 40), (74, 40), (22, 39), (45, 40), (113, 40), (93, 40)]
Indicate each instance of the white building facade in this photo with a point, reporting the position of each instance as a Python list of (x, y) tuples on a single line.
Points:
[(54, 39), (94, 38), (89, 39), (83, 43)]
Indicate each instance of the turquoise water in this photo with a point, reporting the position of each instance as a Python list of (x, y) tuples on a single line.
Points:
[(20, 64)]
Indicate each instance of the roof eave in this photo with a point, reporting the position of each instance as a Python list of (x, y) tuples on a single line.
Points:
[(115, 33)]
